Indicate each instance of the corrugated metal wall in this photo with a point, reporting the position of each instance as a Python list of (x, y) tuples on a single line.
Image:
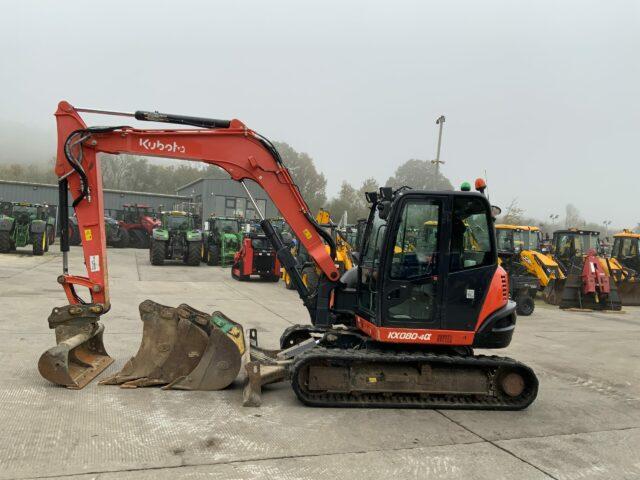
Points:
[(225, 196), (113, 199)]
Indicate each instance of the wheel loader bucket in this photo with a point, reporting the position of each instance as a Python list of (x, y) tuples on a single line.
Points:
[(79, 355)]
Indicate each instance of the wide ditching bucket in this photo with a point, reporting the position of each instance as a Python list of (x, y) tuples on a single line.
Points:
[(79, 355), (183, 348)]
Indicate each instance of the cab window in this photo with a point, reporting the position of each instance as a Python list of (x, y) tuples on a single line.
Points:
[(470, 235), (415, 250)]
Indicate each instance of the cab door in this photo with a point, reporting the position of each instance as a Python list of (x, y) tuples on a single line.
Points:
[(472, 261), (413, 263)]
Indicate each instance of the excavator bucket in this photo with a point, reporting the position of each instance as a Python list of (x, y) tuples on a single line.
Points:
[(553, 291), (180, 348), (79, 355), (220, 363)]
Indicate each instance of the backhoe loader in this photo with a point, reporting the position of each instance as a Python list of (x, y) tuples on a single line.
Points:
[(624, 266), (398, 331), (587, 282), (525, 242), (310, 273)]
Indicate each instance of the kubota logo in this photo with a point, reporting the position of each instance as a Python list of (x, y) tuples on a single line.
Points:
[(157, 145)]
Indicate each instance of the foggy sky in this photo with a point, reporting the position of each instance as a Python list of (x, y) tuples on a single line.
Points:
[(543, 95)]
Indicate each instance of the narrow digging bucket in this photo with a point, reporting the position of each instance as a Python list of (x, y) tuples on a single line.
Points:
[(79, 355)]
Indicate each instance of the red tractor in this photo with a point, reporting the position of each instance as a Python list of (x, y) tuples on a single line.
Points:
[(256, 257), (139, 221)]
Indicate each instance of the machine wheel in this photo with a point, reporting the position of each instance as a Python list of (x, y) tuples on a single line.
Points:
[(525, 305), (52, 236), (5, 242), (213, 255), (74, 235), (157, 252), (310, 277), (288, 283), (123, 239), (241, 278), (39, 243), (193, 254), (138, 238)]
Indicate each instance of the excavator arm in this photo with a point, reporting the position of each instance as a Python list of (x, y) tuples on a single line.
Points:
[(230, 145)]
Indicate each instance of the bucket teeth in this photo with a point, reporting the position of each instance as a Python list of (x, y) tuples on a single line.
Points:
[(181, 348)]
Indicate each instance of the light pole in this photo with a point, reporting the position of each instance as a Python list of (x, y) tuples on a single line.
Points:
[(554, 217), (606, 224), (437, 161)]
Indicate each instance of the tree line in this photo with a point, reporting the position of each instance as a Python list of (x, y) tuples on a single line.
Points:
[(127, 172)]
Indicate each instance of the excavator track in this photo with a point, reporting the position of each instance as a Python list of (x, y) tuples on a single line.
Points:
[(376, 378)]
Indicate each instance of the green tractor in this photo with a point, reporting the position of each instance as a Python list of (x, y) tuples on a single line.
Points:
[(23, 223), (221, 241), (176, 239)]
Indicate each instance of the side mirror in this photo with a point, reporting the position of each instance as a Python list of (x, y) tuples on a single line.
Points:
[(495, 211)]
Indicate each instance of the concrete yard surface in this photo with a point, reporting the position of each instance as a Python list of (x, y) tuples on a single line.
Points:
[(585, 423)]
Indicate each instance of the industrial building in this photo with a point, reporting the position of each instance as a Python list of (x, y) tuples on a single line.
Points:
[(206, 196), (226, 197)]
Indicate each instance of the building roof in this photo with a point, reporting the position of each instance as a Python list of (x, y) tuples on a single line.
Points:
[(49, 185), (202, 179)]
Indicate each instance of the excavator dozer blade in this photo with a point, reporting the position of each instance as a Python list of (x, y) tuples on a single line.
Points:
[(217, 368), (170, 347), (78, 357)]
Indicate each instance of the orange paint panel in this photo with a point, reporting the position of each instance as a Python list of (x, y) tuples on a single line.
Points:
[(415, 335), (497, 297)]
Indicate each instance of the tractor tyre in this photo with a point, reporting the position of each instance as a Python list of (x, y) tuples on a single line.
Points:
[(157, 252), (52, 236), (122, 240), (74, 235), (193, 254), (139, 238), (213, 255), (39, 243), (525, 305), (5, 242)]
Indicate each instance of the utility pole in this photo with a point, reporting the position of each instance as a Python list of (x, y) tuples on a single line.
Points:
[(437, 161)]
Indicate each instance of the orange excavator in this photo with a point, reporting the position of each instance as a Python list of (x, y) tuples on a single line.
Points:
[(398, 331)]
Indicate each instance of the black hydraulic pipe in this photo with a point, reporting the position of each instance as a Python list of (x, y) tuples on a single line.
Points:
[(181, 119), (288, 262), (63, 212)]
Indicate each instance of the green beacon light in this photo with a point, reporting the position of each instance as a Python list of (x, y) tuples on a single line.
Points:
[(465, 187)]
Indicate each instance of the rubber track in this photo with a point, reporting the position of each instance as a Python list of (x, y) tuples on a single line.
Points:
[(408, 400)]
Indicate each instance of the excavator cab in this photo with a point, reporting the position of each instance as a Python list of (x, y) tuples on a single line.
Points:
[(420, 270)]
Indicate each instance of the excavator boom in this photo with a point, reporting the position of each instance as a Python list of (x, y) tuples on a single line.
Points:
[(228, 144)]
